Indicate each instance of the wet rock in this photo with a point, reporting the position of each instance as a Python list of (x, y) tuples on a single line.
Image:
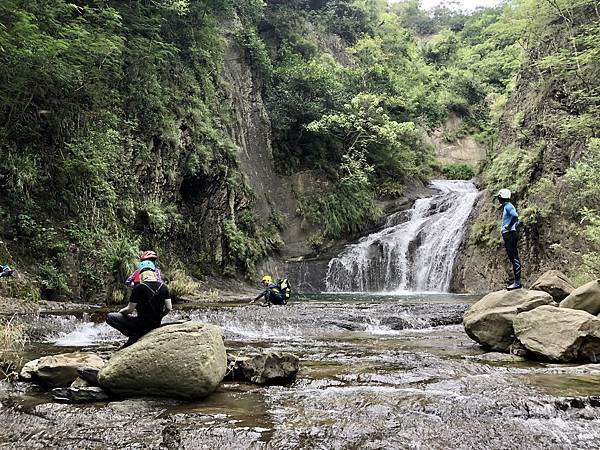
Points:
[(586, 298), (89, 374), (266, 368), (59, 370), (555, 283), (489, 321), (82, 394), (517, 349), (559, 334), (80, 382), (396, 323), (499, 357), (185, 360)]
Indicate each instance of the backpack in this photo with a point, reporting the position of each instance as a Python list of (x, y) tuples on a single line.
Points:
[(284, 287)]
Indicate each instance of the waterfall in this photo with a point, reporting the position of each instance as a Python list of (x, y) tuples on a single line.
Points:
[(415, 251)]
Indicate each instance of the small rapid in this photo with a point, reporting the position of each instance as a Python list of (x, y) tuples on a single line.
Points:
[(376, 371), (414, 252)]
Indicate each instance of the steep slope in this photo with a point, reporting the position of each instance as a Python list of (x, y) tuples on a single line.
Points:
[(547, 154)]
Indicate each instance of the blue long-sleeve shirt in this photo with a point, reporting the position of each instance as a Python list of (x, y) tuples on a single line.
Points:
[(510, 218)]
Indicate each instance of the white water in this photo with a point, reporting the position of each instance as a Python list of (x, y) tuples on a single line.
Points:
[(414, 252)]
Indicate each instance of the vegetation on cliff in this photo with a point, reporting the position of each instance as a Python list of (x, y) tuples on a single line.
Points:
[(115, 125)]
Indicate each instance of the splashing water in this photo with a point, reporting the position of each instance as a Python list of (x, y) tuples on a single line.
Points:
[(415, 255)]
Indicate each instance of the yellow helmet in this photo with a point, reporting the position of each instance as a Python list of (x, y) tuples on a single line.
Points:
[(266, 279)]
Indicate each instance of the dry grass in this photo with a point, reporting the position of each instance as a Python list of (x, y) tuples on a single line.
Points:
[(13, 339), (181, 285)]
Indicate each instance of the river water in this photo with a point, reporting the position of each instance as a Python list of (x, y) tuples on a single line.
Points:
[(377, 372)]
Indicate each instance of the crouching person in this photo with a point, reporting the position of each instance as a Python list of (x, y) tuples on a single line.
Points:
[(151, 300)]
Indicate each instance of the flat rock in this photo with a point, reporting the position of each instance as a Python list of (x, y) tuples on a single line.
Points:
[(266, 368), (498, 357), (82, 394), (59, 370)]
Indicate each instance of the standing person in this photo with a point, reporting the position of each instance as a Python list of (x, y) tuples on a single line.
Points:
[(149, 256), (510, 220), (272, 294), (150, 299)]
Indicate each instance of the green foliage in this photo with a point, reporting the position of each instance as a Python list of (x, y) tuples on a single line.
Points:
[(52, 279), (485, 232), (458, 171), (349, 206), (247, 241), (583, 180), (512, 168)]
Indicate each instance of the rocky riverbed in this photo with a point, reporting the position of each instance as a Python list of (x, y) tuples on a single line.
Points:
[(375, 372)]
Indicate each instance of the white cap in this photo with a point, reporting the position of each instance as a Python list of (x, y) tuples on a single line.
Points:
[(504, 194)]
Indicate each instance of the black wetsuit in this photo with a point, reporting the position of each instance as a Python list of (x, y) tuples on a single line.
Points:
[(150, 306), (272, 295)]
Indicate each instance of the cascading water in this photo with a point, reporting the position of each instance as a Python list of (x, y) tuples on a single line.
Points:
[(416, 249)]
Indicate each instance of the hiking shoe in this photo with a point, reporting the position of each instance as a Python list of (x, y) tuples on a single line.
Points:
[(515, 285)]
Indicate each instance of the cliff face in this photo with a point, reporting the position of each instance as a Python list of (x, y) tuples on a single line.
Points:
[(546, 130)]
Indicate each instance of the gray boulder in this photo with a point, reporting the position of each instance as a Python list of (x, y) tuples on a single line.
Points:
[(266, 368), (555, 283), (81, 394), (559, 334), (185, 360), (489, 321), (586, 298), (59, 370)]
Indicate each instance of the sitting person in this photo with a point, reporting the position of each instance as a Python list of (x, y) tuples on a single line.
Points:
[(150, 256), (272, 294), (150, 299), (5, 271)]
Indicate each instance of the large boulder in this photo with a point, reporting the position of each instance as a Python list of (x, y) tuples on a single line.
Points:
[(185, 360), (265, 368), (59, 370), (559, 334), (586, 298), (489, 321), (555, 283)]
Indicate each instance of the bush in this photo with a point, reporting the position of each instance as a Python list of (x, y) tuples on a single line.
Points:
[(458, 171), (181, 285)]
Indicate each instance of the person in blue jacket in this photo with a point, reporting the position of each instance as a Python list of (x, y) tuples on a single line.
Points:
[(510, 220)]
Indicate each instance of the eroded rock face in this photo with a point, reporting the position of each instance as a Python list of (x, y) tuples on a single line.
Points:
[(59, 370), (559, 334), (489, 321), (266, 368), (555, 283), (185, 360), (586, 298)]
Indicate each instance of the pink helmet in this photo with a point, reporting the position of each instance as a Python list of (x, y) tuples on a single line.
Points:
[(148, 254)]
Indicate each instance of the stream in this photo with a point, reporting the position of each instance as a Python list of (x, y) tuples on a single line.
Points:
[(377, 372)]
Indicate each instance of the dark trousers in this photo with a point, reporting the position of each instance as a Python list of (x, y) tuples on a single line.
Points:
[(275, 299), (130, 326), (510, 243)]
